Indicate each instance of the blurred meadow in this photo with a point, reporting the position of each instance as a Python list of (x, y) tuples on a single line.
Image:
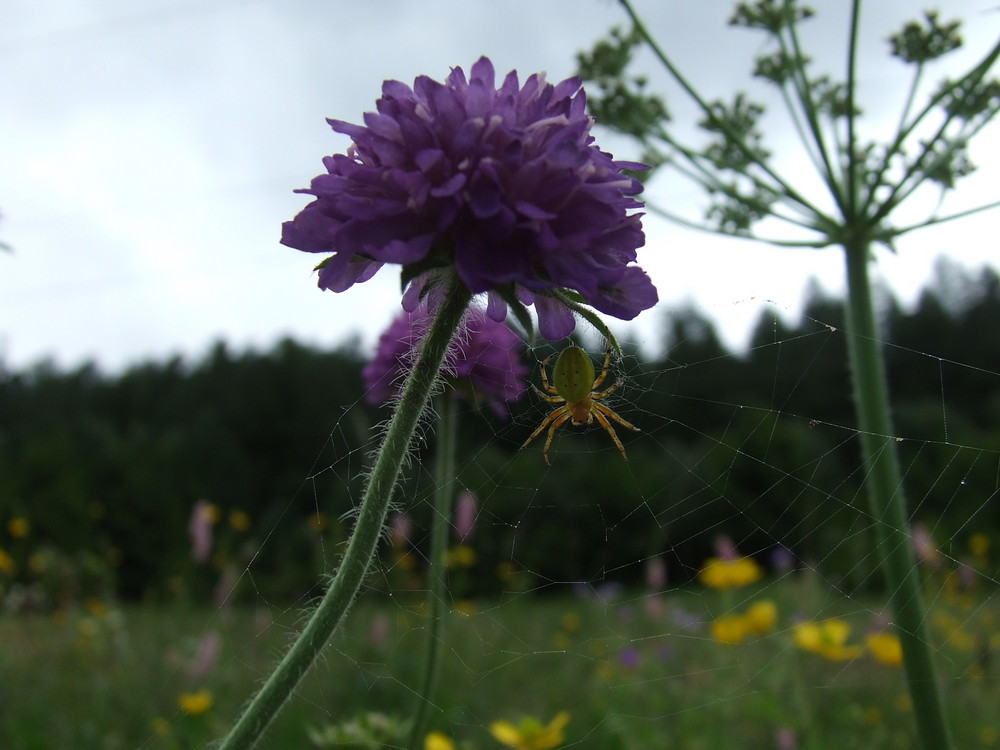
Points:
[(162, 534), (633, 667)]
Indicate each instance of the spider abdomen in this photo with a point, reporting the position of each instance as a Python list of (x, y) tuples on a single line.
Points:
[(573, 376)]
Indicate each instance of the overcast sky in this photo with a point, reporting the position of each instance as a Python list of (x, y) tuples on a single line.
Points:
[(148, 154)]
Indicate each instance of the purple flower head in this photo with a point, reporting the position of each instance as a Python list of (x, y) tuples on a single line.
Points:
[(484, 359), (466, 511), (203, 517), (504, 185), (630, 658)]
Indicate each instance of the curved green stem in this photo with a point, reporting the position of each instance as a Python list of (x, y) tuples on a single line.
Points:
[(782, 186), (804, 91), (444, 477), (371, 518), (852, 186), (912, 178), (942, 219), (707, 229), (888, 503)]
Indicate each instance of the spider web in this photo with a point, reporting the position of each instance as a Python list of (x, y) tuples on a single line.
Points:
[(578, 586)]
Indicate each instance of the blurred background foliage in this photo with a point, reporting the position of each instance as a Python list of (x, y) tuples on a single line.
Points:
[(99, 473)]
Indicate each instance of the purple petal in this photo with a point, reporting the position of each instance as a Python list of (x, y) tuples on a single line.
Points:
[(555, 320), (496, 307), (341, 272), (633, 293)]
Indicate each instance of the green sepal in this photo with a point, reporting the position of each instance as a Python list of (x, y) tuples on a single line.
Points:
[(411, 270), (575, 302)]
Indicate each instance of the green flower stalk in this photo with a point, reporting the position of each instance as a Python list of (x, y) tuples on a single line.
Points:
[(444, 494), (484, 367), (472, 189), (364, 538), (866, 183)]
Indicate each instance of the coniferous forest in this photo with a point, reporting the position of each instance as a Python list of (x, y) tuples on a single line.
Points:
[(757, 444)]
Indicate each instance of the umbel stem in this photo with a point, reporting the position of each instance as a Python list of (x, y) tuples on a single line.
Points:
[(327, 616), (444, 477), (888, 502)]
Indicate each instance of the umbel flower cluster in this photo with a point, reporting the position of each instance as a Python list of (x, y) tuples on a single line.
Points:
[(484, 362), (505, 185)]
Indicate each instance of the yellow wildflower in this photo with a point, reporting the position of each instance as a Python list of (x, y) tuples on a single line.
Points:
[(39, 562), (438, 741), (460, 556), (873, 715), (730, 573), (161, 726), (19, 527), (730, 629), (87, 628), (761, 617), (979, 545), (6, 562), (95, 607), (405, 561), (318, 521), (209, 512), (570, 621), (195, 703), (530, 734), (827, 638), (885, 647), (239, 520), (953, 632)]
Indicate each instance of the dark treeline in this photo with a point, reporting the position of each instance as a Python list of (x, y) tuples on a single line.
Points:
[(756, 445)]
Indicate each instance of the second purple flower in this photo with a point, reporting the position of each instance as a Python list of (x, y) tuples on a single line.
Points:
[(484, 362)]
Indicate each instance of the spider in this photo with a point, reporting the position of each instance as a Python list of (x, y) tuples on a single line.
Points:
[(574, 387)]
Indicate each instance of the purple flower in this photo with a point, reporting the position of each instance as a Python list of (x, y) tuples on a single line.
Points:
[(205, 659), (505, 185), (630, 658), (203, 518), (466, 511), (484, 359)]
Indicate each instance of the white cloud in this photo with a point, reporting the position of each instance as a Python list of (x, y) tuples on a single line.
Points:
[(150, 153)]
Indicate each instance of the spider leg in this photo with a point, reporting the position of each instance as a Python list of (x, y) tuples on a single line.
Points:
[(604, 370), (545, 377), (606, 391), (556, 424), (602, 409), (550, 417), (611, 431), (554, 399)]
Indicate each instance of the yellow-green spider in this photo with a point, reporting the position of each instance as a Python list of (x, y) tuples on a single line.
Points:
[(574, 387)]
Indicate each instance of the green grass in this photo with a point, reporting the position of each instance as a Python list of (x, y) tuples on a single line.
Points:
[(629, 677)]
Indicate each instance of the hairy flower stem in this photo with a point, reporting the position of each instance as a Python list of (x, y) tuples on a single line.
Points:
[(371, 518), (888, 502), (444, 478)]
